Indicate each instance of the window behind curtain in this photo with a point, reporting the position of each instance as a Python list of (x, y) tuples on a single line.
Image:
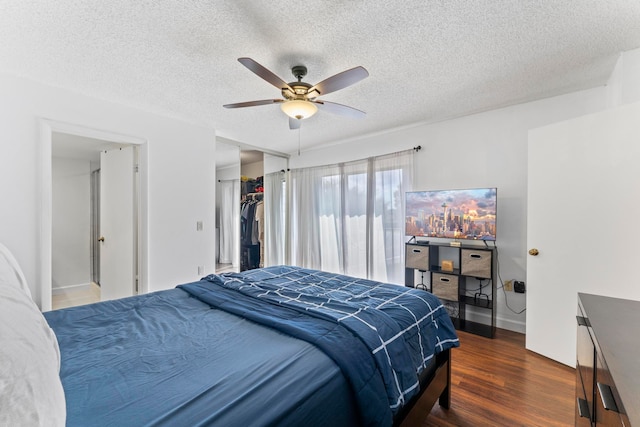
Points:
[(349, 218)]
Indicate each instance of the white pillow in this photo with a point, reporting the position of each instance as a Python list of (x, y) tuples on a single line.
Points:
[(31, 392), (10, 272)]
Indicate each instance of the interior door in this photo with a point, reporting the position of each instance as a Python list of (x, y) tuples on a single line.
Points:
[(117, 223), (583, 186)]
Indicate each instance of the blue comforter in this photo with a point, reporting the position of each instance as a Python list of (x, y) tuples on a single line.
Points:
[(382, 336), (168, 359)]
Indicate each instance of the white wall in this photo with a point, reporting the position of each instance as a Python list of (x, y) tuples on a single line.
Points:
[(252, 170), (482, 150), (178, 179), (624, 84), (71, 257), (274, 163)]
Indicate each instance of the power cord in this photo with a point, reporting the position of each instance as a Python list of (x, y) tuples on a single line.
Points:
[(479, 288), (506, 299)]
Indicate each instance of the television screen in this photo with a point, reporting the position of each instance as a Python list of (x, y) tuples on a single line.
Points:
[(454, 214)]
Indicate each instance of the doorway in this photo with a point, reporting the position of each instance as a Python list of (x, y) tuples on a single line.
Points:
[(240, 170), (252, 209), (71, 244), (92, 179)]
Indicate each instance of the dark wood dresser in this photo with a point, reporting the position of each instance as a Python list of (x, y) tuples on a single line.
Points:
[(608, 362)]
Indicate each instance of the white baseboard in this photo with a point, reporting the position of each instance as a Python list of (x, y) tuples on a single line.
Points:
[(482, 316), (511, 325), (60, 289)]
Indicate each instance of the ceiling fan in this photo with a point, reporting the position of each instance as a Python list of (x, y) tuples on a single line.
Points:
[(300, 98)]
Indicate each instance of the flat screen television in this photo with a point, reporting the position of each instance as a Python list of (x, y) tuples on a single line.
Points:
[(454, 214)]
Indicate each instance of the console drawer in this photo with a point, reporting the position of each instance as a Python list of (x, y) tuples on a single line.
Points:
[(444, 286), (417, 256), (475, 262)]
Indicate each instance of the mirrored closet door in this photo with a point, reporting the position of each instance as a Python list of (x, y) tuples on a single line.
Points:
[(227, 207)]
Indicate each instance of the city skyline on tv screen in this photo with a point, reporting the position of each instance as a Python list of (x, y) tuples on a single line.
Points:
[(454, 214)]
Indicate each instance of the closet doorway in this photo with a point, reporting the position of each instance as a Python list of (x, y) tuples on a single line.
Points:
[(242, 205), (94, 197), (251, 209), (239, 207)]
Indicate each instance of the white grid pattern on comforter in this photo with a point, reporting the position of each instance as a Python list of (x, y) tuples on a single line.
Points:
[(403, 327)]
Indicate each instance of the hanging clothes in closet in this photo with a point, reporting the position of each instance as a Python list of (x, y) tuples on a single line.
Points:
[(251, 218), (260, 223)]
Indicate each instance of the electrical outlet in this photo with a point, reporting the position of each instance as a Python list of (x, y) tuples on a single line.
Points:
[(508, 285), (200, 270)]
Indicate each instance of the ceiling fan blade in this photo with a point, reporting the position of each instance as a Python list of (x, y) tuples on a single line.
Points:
[(253, 103), (265, 74), (340, 80), (340, 109), (294, 123)]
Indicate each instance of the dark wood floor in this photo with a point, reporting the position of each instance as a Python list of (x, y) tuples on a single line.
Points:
[(497, 382)]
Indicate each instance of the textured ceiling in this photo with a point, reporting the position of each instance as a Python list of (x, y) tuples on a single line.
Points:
[(427, 60)]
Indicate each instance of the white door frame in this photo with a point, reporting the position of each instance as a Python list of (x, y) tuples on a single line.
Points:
[(44, 269)]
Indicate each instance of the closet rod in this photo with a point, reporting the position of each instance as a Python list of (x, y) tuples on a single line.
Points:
[(253, 195)]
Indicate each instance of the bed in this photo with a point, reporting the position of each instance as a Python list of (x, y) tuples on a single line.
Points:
[(274, 346)]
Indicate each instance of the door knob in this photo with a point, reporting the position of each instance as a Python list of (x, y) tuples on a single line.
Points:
[(101, 239), (533, 252)]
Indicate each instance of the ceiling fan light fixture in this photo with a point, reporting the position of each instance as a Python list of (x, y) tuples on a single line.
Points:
[(299, 109)]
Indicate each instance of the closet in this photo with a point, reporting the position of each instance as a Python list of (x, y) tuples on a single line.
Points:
[(251, 209), (251, 231), (240, 211), (239, 173)]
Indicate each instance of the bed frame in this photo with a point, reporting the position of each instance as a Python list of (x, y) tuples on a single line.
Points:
[(435, 385)]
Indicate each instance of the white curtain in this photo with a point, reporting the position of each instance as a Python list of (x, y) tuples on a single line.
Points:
[(275, 219), (229, 222), (349, 218)]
